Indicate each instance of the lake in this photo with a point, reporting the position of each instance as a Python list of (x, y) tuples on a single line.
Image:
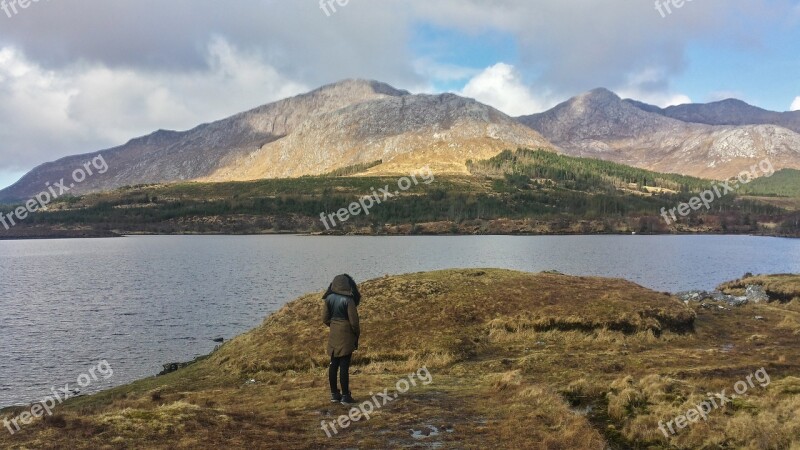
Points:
[(140, 302)]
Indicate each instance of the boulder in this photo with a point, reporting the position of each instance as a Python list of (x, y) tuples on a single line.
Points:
[(699, 296), (756, 294)]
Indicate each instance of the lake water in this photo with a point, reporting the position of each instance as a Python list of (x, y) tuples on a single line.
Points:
[(140, 302)]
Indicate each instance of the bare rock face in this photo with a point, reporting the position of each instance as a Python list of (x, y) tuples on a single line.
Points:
[(599, 124), (406, 133), (338, 125), (358, 121), (170, 156)]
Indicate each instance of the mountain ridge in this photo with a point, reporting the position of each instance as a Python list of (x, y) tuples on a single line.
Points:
[(729, 111), (355, 121), (600, 124), (228, 145)]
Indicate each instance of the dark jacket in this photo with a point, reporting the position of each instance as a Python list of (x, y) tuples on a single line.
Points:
[(341, 315)]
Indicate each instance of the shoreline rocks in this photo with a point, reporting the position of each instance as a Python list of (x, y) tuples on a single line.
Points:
[(753, 294)]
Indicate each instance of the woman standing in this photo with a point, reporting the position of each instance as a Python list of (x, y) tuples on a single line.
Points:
[(340, 313)]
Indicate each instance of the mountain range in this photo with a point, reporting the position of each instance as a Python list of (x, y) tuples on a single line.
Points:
[(599, 124), (355, 122)]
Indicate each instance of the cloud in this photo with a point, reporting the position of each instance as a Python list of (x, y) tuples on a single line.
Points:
[(85, 107), (178, 63), (795, 105), (575, 45), (501, 86), (570, 45), (651, 85), (364, 39), (656, 98)]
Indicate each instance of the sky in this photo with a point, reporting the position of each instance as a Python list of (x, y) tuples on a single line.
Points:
[(79, 76)]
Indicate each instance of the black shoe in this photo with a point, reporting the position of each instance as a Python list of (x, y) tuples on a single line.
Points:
[(336, 397), (347, 400)]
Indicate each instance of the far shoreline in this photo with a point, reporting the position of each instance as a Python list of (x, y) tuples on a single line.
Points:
[(111, 235)]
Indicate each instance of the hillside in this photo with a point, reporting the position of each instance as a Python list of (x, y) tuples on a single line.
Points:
[(359, 122), (508, 360), (727, 112), (335, 126), (169, 156), (521, 192), (785, 183), (599, 124), (406, 132)]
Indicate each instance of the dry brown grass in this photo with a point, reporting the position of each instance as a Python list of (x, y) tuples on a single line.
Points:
[(539, 361), (784, 288)]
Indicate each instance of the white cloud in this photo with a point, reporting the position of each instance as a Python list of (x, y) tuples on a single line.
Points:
[(651, 85), (655, 98), (157, 71), (46, 114), (795, 104), (501, 86)]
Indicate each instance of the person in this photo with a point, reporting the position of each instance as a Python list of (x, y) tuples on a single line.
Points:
[(340, 313)]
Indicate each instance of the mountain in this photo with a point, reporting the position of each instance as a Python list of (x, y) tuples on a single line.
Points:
[(726, 112), (382, 130), (600, 124), (342, 124), (406, 132)]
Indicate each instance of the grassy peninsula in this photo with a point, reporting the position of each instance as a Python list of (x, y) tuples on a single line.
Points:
[(517, 360)]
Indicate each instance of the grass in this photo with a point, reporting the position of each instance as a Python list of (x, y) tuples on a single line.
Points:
[(784, 288), (518, 360)]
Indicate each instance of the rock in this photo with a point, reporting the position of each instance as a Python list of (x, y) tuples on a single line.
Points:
[(699, 296), (736, 301), (172, 367), (756, 294), (219, 339), (692, 296)]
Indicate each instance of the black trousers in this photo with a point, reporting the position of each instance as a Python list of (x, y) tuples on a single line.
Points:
[(342, 365)]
